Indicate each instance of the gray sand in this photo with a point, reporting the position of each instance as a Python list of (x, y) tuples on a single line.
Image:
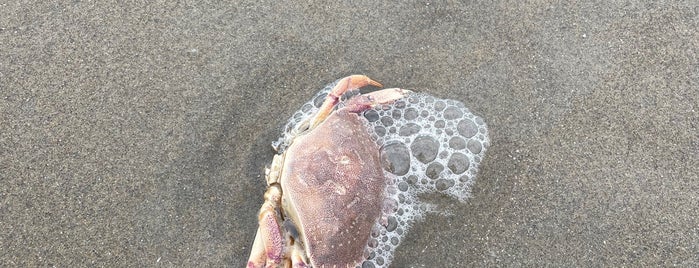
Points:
[(137, 135)]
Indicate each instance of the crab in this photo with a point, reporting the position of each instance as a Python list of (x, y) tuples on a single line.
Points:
[(325, 190)]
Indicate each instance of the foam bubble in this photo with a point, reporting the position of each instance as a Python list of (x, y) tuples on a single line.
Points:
[(428, 145), (444, 144), (424, 148), (396, 158)]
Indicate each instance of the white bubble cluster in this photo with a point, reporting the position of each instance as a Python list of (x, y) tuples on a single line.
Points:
[(427, 144)]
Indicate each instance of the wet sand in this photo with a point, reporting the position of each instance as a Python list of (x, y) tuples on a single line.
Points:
[(137, 135)]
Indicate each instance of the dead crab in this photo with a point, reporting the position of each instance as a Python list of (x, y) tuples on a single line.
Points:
[(350, 176), (326, 190)]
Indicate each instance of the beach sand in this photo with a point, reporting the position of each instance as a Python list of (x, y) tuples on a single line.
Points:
[(136, 135)]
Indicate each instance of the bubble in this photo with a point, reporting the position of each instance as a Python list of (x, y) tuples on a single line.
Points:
[(403, 186), (425, 148), (396, 114), (381, 131), (443, 184), (439, 105), (424, 113), (467, 128), (474, 146), (396, 158), (410, 114), (452, 113), (412, 179), (379, 260), (371, 115), (392, 224), (409, 129), (386, 121), (399, 104), (306, 107), (433, 170), (368, 264), (369, 253), (401, 198), (457, 143), (439, 124), (458, 163), (319, 100), (373, 243), (375, 232), (443, 155)]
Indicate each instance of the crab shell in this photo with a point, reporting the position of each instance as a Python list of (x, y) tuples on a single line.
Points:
[(337, 173), (326, 190), (333, 184)]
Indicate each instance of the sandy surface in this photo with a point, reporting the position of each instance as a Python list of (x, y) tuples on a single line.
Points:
[(137, 135)]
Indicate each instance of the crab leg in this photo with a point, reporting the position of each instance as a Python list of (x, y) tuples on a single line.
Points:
[(268, 248), (297, 257), (345, 84), (367, 101), (257, 257)]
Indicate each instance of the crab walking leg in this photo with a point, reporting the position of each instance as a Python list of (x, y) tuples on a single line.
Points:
[(268, 248), (273, 172), (367, 101), (345, 84), (257, 257), (297, 257)]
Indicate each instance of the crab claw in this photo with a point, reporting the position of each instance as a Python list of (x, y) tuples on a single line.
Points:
[(343, 85), (371, 100)]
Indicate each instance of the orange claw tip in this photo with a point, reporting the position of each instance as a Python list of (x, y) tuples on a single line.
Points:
[(369, 81), (359, 80), (374, 83)]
